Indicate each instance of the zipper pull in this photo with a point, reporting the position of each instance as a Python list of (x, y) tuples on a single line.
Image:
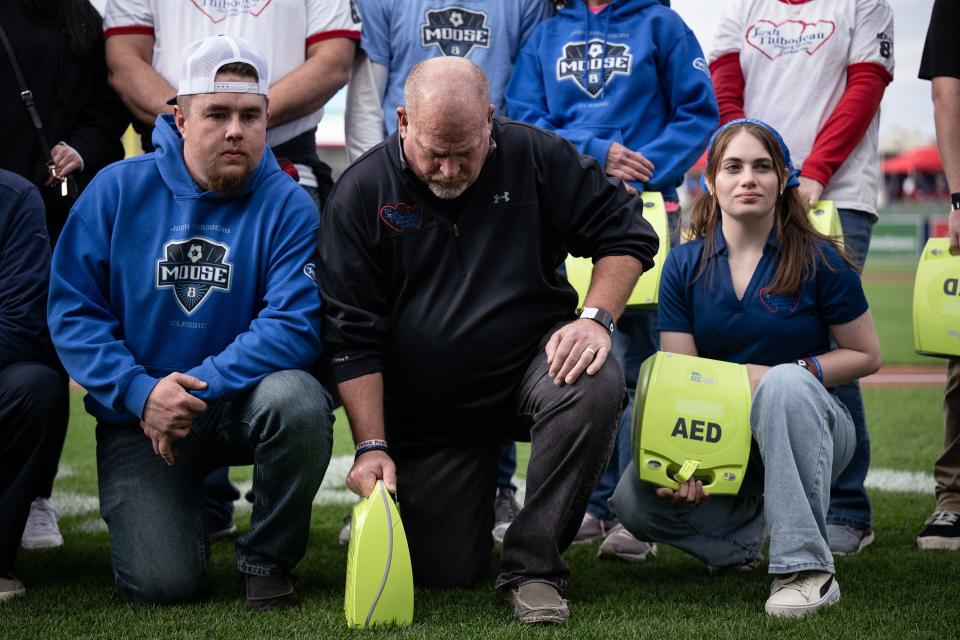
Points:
[(456, 231)]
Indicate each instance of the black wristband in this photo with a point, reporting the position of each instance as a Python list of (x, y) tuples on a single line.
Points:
[(600, 316), (369, 448), (955, 201)]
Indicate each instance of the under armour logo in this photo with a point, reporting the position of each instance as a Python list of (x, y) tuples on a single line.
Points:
[(498, 198)]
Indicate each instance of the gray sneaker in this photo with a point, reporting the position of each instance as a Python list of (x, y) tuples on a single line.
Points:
[(42, 530), (10, 587), (621, 545), (537, 601), (592, 528), (846, 541), (505, 509)]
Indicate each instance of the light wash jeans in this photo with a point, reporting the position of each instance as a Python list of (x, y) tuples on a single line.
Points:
[(158, 541), (805, 437)]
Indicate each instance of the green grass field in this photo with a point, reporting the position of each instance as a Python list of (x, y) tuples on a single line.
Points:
[(892, 590)]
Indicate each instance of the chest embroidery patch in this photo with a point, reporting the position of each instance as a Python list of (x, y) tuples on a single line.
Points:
[(779, 302), (789, 37), (401, 216)]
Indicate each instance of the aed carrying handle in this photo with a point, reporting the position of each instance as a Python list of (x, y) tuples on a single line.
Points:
[(687, 470)]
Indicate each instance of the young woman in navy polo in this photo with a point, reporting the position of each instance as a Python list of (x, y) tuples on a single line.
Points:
[(759, 286)]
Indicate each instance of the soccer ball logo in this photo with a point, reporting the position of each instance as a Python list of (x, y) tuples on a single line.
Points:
[(596, 50), (195, 252), (456, 19)]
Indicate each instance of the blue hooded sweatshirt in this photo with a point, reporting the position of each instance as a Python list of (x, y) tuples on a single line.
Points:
[(633, 74), (154, 275)]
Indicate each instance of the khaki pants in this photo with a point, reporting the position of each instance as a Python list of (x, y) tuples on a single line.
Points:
[(946, 470)]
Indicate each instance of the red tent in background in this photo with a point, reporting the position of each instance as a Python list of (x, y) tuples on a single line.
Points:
[(700, 165), (921, 159)]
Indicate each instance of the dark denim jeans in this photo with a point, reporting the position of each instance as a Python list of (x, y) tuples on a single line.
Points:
[(159, 543), (446, 490), (849, 502), (34, 405), (507, 465)]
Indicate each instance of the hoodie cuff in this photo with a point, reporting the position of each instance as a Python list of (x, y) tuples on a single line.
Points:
[(209, 375), (137, 392), (599, 148)]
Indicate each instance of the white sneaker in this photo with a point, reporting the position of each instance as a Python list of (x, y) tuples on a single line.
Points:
[(800, 593), (10, 587), (42, 530)]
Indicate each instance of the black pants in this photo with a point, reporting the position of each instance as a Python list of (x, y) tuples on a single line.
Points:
[(446, 493), (34, 406)]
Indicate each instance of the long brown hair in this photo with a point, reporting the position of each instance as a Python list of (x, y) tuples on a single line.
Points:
[(801, 246)]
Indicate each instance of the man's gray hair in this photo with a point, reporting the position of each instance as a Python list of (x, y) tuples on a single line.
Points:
[(425, 79)]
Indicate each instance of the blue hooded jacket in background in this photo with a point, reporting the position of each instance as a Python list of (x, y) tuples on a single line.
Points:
[(154, 275), (633, 74)]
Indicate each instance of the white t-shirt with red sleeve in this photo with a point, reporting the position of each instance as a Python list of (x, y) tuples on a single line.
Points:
[(794, 56), (282, 29)]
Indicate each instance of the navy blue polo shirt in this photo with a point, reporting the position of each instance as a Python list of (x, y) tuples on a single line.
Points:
[(761, 328)]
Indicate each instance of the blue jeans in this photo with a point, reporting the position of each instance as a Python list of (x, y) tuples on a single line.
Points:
[(637, 338), (154, 513), (849, 502), (507, 465), (805, 436)]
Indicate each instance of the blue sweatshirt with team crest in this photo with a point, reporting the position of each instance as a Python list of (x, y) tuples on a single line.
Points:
[(154, 275), (634, 74)]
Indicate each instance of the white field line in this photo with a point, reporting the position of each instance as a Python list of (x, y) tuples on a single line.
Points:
[(333, 491), (924, 379), (900, 481)]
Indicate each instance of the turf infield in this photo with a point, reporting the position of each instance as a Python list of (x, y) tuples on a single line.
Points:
[(892, 590)]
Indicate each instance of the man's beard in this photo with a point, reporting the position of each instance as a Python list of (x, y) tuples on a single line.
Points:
[(230, 181), (446, 189)]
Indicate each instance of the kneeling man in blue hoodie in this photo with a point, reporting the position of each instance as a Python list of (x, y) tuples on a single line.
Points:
[(183, 300)]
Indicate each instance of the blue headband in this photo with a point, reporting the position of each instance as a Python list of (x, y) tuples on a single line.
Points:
[(793, 179)]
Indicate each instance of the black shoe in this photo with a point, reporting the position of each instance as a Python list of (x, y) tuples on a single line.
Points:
[(269, 592), (505, 509), (942, 531)]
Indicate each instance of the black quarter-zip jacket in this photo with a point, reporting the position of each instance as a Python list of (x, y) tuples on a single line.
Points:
[(450, 299)]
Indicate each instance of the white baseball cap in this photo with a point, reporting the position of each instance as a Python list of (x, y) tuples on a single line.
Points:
[(203, 58)]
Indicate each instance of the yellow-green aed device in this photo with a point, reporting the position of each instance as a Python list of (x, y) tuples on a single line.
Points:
[(691, 418), (379, 575), (936, 301), (826, 219), (645, 294)]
